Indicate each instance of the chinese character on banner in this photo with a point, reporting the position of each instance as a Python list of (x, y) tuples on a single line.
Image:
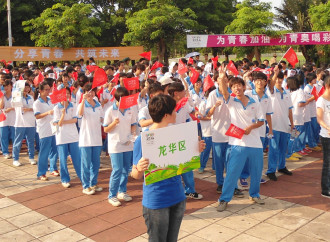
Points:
[(80, 53), (162, 150), (114, 53), (19, 54), (45, 53), (265, 39), (283, 39), (293, 38), (221, 40), (58, 53), (232, 39), (326, 37), (254, 39), (32, 53), (182, 145), (304, 37), (91, 53), (243, 39), (103, 53), (316, 37), (172, 147)]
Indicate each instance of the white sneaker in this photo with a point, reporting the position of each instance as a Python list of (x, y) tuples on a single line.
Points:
[(32, 161), (96, 188), (16, 163), (114, 202), (8, 156), (124, 196), (88, 191), (66, 184)]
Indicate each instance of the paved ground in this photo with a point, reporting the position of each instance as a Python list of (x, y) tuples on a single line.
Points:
[(32, 210)]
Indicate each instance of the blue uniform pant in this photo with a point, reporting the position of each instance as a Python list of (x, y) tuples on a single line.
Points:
[(310, 135), (236, 161), (120, 163), (47, 150), (206, 153), (297, 144), (316, 129), (189, 183), (63, 152), (219, 156), (90, 165), (20, 133), (6, 133)]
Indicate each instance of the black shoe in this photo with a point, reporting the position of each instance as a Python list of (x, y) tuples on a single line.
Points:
[(325, 194), (238, 193), (285, 171), (272, 176), (219, 189), (194, 195)]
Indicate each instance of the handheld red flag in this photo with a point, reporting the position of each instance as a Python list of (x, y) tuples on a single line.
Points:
[(58, 95), (99, 93), (215, 62), (132, 83), (75, 76), (115, 79), (190, 61), (112, 93), (231, 66), (194, 77), (182, 68), (100, 78), (21, 77), (2, 117), (146, 55), (38, 79), (156, 65), (291, 57), (92, 68), (208, 83), (128, 101), (235, 131), (181, 104)]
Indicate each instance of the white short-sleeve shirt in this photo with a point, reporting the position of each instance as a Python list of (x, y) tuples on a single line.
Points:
[(311, 107), (106, 95), (196, 97), (25, 119), (325, 106), (205, 124), (144, 114), (10, 116), (43, 124), (182, 115), (297, 97)]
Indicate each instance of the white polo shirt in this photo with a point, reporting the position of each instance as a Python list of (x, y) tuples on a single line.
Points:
[(243, 117), (196, 97), (325, 106), (67, 133), (43, 124), (106, 95), (90, 130), (182, 115), (205, 124), (297, 97), (25, 119), (10, 116), (312, 105), (119, 137), (281, 103), (144, 114), (220, 120)]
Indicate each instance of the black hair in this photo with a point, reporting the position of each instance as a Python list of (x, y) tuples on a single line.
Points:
[(293, 83), (236, 80), (310, 77), (175, 87), (7, 82), (154, 88), (88, 87), (159, 106), (121, 92), (83, 80), (68, 89), (207, 93), (259, 75)]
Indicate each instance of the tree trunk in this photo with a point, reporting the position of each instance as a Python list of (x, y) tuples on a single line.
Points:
[(161, 50), (257, 54)]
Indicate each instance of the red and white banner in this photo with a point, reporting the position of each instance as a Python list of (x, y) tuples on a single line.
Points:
[(231, 40)]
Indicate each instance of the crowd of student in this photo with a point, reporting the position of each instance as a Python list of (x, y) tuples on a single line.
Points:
[(274, 105)]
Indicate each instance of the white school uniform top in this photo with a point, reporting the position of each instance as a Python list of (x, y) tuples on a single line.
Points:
[(106, 95), (90, 130), (220, 120), (281, 103), (10, 116), (325, 106), (243, 117), (266, 107), (312, 105), (67, 133), (43, 124), (196, 97), (118, 138), (142, 101), (205, 124), (25, 119), (144, 114), (182, 115), (297, 97)]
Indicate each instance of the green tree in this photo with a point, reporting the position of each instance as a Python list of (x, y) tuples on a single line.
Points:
[(159, 25), (64, 26)]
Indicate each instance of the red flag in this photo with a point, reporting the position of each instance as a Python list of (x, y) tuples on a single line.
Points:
[(128, 101), (182, 68), (72, 88), (75, 75), (235, 132), (1, 94), (190, 61), (194, 77), (208, 83), (215, 62), (267, 72), (2, 117), (21, 77), (321, 91), (132, 83), (291, 57), (231, 66), (146, 55), (100, 78), (112, 93), (317, 94), (58, 95), (156, 65), (92, 68), (38, 79), (9, 62), (99, 93), (181, 104), (7, 71), (115, 79)]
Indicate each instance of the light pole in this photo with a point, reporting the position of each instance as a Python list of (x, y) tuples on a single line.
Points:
[(10, 39)]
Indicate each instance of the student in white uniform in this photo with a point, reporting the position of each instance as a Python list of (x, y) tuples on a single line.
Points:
[(43, 111), (65, 117), (90, 139)]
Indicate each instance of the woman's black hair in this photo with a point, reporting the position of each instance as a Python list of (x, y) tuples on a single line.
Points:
[(159, 106), (121, 92)]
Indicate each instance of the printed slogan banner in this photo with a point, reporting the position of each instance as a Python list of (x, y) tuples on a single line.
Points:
[(170, 155), (231, 40), (22, 53)]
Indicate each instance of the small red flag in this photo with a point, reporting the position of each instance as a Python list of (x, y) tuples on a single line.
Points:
[(112, 93), (38, 79), (58, 95), (182, 68), (208, 83), (100, 78), (291, 57), (21, 77), (215, 62), (115, 79), (231, 66), (235, 131), (75, 75), (190, 61), (128, 101), (156, 65), (194, 77), (181, 104), (132, 83), (92, 68), (72, 88), (1, 94), (2, 117), (99, 93), (146, 55)]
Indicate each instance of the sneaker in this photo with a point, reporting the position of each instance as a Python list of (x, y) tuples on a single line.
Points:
[(219, 189), (306, 150), (88, 191), (257, 200), (201, 170), (272, 176), (114, 202), (43, 178), (96, 188), (32, 161), (285, 171), (194, 195), (8, 156), (292, 158), (303, 153), (124, 196), (222, 206), (66, 184), (325, 194), (55, 173), (243, 182), (262, 181), (297, 155), (316, 148), (16, 163), (238, 193)]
